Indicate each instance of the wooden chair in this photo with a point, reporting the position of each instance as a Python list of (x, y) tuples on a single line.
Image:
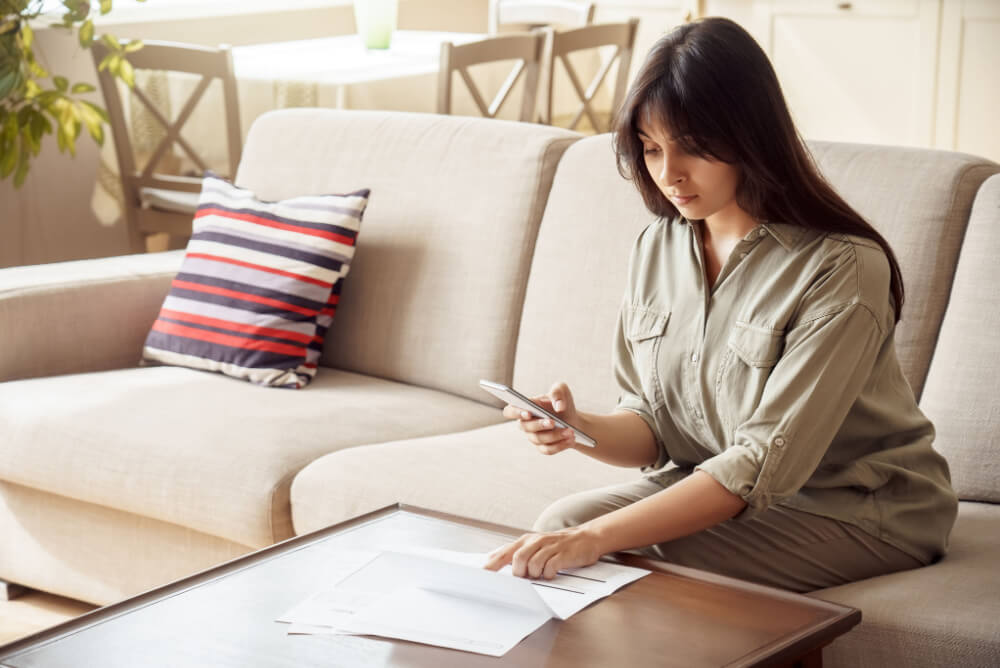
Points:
[(157, 202), (528, 14), (526, 48), (557, 47)]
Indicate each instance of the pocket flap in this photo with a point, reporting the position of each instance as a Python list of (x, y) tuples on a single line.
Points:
[(757, 346), (645, 324)]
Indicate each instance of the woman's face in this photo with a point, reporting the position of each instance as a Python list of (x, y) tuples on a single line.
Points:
[(700, 188)]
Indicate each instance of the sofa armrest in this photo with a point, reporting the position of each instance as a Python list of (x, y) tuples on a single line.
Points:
[(86, 315)]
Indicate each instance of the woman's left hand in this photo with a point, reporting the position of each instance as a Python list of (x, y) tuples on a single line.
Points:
[(542, 555)]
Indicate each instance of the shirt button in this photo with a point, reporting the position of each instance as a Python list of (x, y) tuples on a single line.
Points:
[(761, 232), (697, 413), (694, 358), (779, 442)]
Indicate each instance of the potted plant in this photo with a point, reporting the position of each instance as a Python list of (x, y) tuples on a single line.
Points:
[(35, 102)]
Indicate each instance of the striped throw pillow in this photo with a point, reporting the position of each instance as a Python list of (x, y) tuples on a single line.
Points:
[(258, 286)]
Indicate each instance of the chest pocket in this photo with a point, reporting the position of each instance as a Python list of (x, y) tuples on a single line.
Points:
[(645, 329), (751, 355)]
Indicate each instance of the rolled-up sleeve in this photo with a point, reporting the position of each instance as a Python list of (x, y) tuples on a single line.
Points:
[(826, 362)]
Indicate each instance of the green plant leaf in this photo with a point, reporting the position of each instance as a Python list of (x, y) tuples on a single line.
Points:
[(97, 110), (127, 73), (28, 137), (133, 46), (10, 129), (106, 62), (86, 34), (93, 122), (8, 161), (81, 87), (62, 83), (27, 36), (105, 6), (31, 89), (111, 42), (10, 82)]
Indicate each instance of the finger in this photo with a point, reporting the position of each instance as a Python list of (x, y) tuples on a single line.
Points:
[(501, 556), (557, 396), (554, 436), (521, 557), (552, 449), (536, 426), (544, 401), (512, 412), (537, 563), (552, 566)]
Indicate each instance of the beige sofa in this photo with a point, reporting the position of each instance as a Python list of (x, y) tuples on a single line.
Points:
[(489, 250)]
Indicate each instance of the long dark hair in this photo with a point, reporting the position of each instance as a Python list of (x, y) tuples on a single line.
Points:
[(713, 88)]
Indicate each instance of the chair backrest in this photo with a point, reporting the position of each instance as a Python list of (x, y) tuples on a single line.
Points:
[(558, 47), (525, 48), (533, 14), (169, 57)]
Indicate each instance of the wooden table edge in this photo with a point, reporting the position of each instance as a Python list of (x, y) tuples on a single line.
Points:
[(784, 652)]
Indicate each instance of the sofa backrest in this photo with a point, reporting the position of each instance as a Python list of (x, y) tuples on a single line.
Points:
[(962, 394), (919, 199), (433, 297), (577, 277)]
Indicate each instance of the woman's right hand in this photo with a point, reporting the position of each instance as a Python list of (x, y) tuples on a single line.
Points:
[(547, 436)]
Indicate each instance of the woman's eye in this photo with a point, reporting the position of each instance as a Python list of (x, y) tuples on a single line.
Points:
[(650, 149)]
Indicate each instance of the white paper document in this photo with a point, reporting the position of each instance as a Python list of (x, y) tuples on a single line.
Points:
[(447, 599)]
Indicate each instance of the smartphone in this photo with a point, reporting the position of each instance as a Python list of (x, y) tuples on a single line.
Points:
[(515, 398)]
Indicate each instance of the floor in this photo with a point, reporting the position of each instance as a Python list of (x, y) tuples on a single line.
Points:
[(34, 611)]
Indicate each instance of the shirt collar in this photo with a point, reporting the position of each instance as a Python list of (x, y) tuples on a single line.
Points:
[(788, 236)]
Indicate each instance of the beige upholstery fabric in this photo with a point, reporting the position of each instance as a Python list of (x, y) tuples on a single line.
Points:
[(941, 615), (919, 199), (491, 474), (201, 450), (93, 553), (963, 384), (577, 277), (88, 315), (435, 288)]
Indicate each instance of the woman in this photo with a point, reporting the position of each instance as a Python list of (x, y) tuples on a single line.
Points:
[(761, 393)]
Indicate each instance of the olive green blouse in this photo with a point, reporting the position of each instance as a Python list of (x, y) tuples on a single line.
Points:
[(781, 380)]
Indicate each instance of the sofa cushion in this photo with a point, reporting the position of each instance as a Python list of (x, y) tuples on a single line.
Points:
[(963, 383), (491, 474), (919, 199), (93, 553), (939, 615), (259, 285), (435, 291), (199, 450)]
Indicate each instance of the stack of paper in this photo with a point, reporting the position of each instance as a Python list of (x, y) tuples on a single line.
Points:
[(448, 599)]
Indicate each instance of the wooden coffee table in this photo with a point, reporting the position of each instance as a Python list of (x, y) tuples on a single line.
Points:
[(225, 616)]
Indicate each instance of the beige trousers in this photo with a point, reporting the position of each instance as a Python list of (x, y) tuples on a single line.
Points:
[(781, 547)]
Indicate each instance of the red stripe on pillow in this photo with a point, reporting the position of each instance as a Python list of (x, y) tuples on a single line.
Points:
[(227, 340), (257, 220), (245, 296), (260, 267), (236, 326)]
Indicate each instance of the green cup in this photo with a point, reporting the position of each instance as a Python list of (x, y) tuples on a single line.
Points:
[(375, 19)]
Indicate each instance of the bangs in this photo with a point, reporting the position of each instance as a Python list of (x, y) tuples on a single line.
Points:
[(665, 104)]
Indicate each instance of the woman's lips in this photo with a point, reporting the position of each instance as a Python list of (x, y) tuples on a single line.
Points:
[(681, 201)]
